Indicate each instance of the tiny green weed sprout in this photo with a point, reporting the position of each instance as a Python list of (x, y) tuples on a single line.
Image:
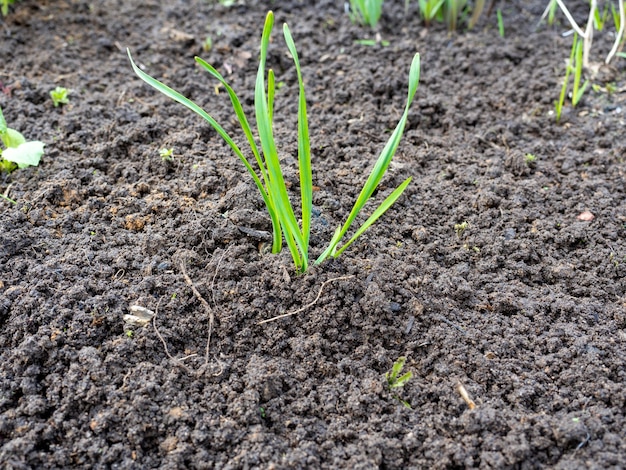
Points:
[(59, 96), (500, 22), (396, 381), (4, 6), (459, 229), (270, 180), (529, 159), (207, 44), (366, 12), (18, 153), (166, 154)]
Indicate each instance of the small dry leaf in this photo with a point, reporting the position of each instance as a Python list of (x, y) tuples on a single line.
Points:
[(586, 216)]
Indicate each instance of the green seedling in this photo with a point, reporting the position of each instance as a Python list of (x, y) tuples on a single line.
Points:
[(500, 22), (366, 12), (558, 105), (166, 154), (271, 182), (372, 42), (450, 12), (552, 8), (4, 6), (207, 44), (529, 159), (430, 10), (477, 11), (459, 229), (599, 18), (617, 20), (578, 90), (396, 381), (18, 153), (59, 96), (575, 65)]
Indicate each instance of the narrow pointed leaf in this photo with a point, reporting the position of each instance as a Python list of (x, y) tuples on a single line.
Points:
[(304, 146), (176, 96), (277, 187), (381, 165), (385, 205)]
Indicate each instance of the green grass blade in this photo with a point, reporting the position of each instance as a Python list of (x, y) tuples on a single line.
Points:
[(245, 126), (304, 146), (241, 116), (3, 123), (271, 89), (277, 188), (479, 6), (578, 71), (451, 14), (383, 160), (384, 206), (176, 96)]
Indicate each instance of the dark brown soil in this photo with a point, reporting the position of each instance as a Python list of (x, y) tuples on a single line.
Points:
[(526, 308)]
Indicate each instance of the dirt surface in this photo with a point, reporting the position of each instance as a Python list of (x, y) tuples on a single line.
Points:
[(525, 308)]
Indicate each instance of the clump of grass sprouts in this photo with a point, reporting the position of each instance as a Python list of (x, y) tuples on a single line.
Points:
[(269, 178), (366, 12)]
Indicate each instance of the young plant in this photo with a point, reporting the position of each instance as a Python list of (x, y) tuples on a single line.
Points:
[(4, 6), (396, 381), (166, 154), (450, 11), (574, 64), (430, 10), (59, 96), (366, 12), (578, 90), (18, 153), (500, 22), (271, 182), (551, 11)]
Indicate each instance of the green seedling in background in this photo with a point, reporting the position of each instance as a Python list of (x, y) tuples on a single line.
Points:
[(574, 64), (459, 229), (396, 381), (552, 11), (271, 182), (59, 96), (617, 21), (599, 18), (18, 153), (166, 154), (366, 12), (500, 22), (450, 11), (4, 6), (430, 10), (578, 90), (530, 159), (207, 45)]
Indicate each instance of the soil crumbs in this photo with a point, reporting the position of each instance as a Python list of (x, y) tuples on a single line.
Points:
[(493, 272)]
